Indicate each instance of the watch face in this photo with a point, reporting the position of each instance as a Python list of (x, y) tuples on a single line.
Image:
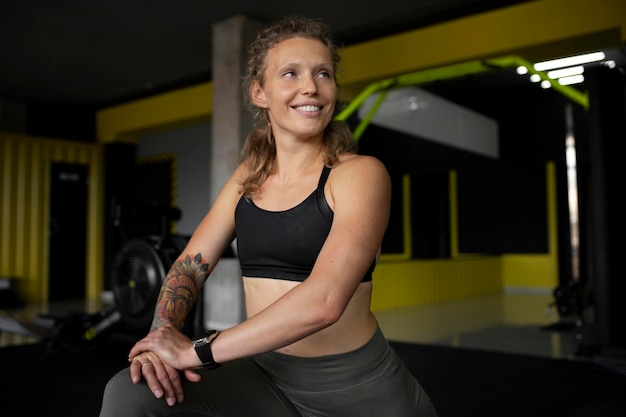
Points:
[(200, 342)]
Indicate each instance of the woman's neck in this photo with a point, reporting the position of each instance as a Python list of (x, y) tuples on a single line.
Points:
[(297, 160)]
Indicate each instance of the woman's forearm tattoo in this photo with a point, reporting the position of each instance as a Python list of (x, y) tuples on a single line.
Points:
[(179, 291)]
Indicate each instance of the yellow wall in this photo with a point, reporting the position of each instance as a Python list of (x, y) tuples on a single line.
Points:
[(187, 105), (25, 211), (405, 283)]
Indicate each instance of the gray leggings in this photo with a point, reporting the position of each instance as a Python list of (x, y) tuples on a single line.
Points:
[(369, 381)]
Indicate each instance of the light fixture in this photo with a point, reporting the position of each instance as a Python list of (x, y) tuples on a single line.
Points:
[(569, 61), (566, 72), (573, 79), (521, 70)]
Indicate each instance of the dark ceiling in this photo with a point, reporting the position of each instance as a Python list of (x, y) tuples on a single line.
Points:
[(98, 53)]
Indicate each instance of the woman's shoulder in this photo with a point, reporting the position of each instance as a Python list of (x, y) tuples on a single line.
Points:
[(354, 170), (233, 186), (350, 164), (355, 178)]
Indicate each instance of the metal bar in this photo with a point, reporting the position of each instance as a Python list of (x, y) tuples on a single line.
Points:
[(370, 115), (446, 72), (577, 96)]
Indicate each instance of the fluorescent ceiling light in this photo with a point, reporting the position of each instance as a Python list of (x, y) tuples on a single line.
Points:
[(521, 70), (569, 61), (574, 79), (566, 72)]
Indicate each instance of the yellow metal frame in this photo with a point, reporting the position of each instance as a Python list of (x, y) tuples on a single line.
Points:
[(407, 243)]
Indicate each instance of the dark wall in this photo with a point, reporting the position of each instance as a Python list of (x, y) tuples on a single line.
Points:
[(532, 132), (61, 122), (603, 207), (502, 204), (119, 199)]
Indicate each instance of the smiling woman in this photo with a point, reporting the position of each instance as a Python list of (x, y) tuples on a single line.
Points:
[(298, 79), (309, 215)]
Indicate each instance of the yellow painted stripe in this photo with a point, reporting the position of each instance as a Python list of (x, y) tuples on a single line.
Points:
[(125, 120), (454, 214)]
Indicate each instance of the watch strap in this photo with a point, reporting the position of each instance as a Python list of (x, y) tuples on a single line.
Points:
[(202, 345)]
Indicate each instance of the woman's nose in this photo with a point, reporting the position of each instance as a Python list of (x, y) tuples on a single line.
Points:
[(308, 84)]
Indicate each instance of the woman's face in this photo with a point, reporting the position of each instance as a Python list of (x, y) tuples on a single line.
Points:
[(299, 88)]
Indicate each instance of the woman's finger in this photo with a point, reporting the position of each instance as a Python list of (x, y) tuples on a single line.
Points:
[(158, 380)]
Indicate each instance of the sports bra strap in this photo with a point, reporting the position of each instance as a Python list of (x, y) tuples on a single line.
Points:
[(323, 177)]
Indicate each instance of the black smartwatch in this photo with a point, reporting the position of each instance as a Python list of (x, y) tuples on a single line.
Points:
[(202, 344)]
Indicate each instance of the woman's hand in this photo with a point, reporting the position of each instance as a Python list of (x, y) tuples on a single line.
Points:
[(158, 358), (162, 379), (170, 345)]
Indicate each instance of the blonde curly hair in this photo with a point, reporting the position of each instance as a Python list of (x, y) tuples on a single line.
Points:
[(259, 150)]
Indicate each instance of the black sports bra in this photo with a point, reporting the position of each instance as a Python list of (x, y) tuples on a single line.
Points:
[(284, 244)]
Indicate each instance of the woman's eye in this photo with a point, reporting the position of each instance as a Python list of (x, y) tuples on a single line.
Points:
[(289, 74), (324, 74)]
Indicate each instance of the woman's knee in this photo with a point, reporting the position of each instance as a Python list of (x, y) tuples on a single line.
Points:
[(122, 397), (119, 384)]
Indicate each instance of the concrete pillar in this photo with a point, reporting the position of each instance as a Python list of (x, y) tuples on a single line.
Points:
[(223, 292), (230, 122)]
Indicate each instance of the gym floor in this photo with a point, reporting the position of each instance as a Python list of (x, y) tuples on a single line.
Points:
[(513, 323)]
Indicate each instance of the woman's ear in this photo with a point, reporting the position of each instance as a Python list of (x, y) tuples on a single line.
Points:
[(257, 95)]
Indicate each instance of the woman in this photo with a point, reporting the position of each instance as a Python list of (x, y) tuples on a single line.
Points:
[(309, 216)]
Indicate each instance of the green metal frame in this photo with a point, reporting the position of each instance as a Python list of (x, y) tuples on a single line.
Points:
[(446, 72)]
